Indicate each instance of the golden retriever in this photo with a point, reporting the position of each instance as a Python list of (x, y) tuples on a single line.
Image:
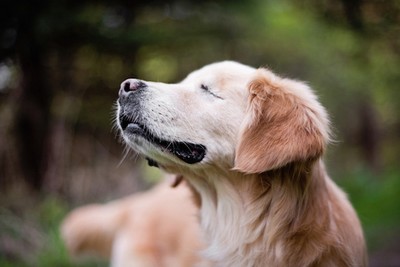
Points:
[(249, 143), (157, 228)]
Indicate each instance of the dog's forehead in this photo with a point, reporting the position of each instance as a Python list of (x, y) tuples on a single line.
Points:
[(220, 71)]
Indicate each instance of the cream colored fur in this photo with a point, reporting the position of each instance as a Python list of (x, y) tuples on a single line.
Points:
[(266, 198)]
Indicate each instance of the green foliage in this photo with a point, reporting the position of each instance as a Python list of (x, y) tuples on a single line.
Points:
[(55, 254), (51, 211), (48, 250), (151, 174), (376, 199)]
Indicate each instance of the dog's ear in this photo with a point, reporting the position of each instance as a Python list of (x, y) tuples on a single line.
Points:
[(284, 123)]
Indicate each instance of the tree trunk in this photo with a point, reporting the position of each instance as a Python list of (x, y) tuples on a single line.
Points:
[(33, 102)]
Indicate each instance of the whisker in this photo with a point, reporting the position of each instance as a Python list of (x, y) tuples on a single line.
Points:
[(126, 152)]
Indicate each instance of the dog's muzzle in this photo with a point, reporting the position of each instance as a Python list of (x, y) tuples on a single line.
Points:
[(131, 124)]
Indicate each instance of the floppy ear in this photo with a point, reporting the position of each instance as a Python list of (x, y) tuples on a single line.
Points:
[(284, 123)]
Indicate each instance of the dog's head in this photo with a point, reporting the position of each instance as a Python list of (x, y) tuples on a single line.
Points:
[(226, 115)]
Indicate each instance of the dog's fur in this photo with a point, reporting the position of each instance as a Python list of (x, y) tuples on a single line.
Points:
[(152, 229), (266, 198)]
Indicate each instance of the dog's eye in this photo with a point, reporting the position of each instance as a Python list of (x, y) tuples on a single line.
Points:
[(205, 87)]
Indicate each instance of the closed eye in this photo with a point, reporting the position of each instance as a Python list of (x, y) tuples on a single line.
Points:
[(207, 89)]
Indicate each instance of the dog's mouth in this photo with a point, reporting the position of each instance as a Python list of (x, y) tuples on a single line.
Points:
[(185, 151)]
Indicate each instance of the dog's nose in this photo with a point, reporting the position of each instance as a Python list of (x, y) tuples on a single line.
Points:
[(131, 85)]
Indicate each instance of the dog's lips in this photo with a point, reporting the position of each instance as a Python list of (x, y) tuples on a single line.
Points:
[(125, 122), (188, 152), (134, 128)]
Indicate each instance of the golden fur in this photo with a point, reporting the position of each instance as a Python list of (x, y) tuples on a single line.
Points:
[(152, 229), (263, 194), (266, 198)]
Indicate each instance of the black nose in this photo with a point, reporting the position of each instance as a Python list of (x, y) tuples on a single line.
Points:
[(131, 85)]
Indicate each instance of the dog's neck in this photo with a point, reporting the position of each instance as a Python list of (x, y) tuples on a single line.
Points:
[(241, 211)]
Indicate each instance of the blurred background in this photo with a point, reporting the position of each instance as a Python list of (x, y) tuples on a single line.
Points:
[(61, 63)]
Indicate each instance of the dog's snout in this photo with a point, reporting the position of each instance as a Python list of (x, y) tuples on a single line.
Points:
[(131, 85)]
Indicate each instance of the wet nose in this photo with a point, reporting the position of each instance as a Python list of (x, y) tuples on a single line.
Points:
[(131, 85)]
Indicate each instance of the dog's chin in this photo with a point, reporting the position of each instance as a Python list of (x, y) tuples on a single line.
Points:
[(187, 152)]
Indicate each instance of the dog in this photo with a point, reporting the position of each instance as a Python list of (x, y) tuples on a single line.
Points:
[(250, 145), (156, 228)]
